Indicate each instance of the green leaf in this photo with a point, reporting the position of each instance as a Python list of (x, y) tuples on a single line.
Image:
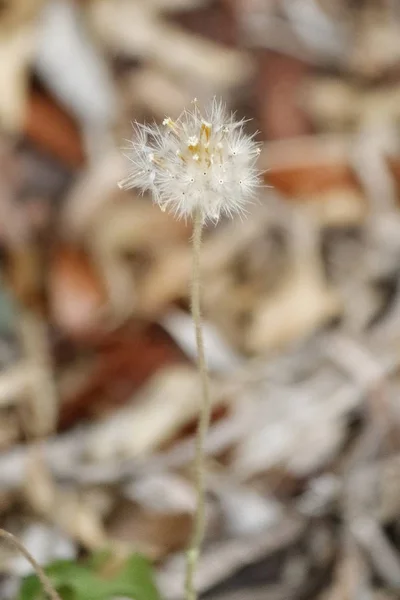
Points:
[(75, 581), (31, 589), (97, 560), (137, 579)]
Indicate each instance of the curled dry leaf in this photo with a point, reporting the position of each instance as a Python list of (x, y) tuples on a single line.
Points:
[(376, 48), (335, 105), (78, 299), (303, 303), (53, 130), (308, 167), (300, 436), (154, 533), (15, 382), (168, 403), (151, 90), (17, 13), (40, 409), (165, 283), (9, 430), (244, 511), (131, 242), (132, 29), (162, 493), (278, 100), (16, 53), (216, 21), (195, 59), (121, 362), (94, 188), (69, 64), (24, 274), (66, 507), (332, 104)]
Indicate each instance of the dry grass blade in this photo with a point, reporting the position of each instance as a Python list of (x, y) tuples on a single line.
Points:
[(45, 581)]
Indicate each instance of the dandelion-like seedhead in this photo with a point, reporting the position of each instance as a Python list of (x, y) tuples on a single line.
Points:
[(203, 162)]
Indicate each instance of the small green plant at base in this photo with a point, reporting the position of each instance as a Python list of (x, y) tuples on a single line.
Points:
[(86, 581)]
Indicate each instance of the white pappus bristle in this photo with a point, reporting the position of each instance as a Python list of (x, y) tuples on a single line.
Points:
[(199, 161)]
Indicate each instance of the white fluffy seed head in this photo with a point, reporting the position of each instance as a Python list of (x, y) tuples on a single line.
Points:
[(200, 161)]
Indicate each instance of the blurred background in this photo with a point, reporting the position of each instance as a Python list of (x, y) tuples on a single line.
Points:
[(98, 387)]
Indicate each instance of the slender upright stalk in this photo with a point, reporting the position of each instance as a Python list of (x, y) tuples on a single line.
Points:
[(44, 580), (204, 418), (200, 166)]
